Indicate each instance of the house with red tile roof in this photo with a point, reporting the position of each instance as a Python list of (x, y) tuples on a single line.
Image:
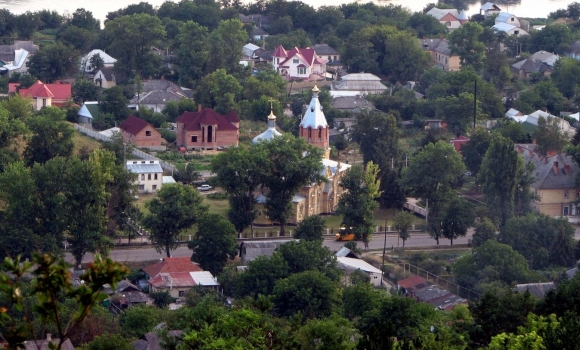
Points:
[(138, 132), (206, 129), (298, 63), (177, 276), (44, 95), (459, 142)]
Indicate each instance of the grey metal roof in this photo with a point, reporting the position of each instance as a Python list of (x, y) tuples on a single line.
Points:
[(439, 13), (431, 292), (538, 290), (43, 344), (503, 27), (324, 49), (258, 31), (250, 250), (84, 112), (489, 6), (355, 103), (503, 17), (144, 166), (359, 82), (351, 264), (168, 180), (544, 173), (204, 278)]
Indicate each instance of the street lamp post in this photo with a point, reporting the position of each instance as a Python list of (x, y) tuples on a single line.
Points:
[(384, 248)]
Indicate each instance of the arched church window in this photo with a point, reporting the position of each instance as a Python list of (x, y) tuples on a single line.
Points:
[(319, 134)]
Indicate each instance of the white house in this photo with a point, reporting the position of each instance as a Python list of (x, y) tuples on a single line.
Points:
[(509, 29), (533, 119), (447, 17), (298, 63), (504, 17), (488, 9), (349, 265), (105, 78), (86, 60), (149, 174)]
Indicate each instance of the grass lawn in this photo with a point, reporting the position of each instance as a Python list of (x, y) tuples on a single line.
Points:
[(81, 141)]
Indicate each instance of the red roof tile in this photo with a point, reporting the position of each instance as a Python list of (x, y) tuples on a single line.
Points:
[(306, 55), (411, 282), (172, 280), (233, 117), (58, 91), (172, 265), (12, 87), (193, 120), (133, 125), (280, 52)]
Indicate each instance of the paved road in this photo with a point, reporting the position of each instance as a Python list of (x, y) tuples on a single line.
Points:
[(149, 253)]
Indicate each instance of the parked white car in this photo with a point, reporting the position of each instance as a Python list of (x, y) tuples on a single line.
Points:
[(204, 188)]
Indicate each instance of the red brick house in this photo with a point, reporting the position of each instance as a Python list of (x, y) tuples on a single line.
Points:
[(138, 132), (44, 95), (206, 129)]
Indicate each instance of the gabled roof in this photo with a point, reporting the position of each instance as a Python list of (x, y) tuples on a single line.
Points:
[(413, 282), (512, 112), (258, 31), (438, 45), (439, 13), (203, 278), (39, 89), (133, 125), (144, 166), (538, 290), (462, 16), (108, 73), (107, 59), (172, 280), (280, 52), (84, 112), (503, 17), (193, 120), (449, 18), (172, 265), (503, 27), (553, 172), (43, 344), (489, 6), (351, 264)]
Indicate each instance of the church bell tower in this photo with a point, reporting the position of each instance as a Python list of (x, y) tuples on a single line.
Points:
[(313, 127)]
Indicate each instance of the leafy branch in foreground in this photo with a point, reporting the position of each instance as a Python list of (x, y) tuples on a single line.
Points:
[(51, 283)]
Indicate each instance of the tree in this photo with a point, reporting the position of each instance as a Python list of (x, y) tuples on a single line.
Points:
[(175, 209), (239, 171), (261, 276), (465, 42), (474, 150), (549, 136), (161, 299), (114, 102), (359, 299), (51, 279), (290, 164), (378, 137), (310, 255), (52, 136), (498, 177), (310, 293), (457, 111), (218, 90), (565, 76), (458, 218), (430, 175), (85, 90), (110, 342), (82, 18), (55, 61), (225, 45), (404, 222), (484, 231), (192, 52), (78, 38), (358, 201), (426, 25), (214, 242), (562, 249), (332, 333), (492, 261), (311, 229)]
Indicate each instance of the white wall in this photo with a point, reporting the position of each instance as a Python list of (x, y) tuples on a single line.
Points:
[(148, 185)]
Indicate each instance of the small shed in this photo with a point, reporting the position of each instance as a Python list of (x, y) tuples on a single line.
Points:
[(349, 265)]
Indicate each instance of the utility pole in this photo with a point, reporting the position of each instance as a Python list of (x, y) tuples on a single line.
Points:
[(474, 104), (384, 248)]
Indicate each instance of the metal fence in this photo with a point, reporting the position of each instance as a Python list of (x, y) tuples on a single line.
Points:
[(136, 152)]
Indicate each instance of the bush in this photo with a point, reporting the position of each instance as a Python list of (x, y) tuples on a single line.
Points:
[(168, 135), (218, 196)]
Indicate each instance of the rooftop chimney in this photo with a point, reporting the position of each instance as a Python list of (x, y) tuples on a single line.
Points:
[(199, 107), (555, 168)]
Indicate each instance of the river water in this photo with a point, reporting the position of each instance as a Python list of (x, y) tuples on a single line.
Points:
[(100, 8)]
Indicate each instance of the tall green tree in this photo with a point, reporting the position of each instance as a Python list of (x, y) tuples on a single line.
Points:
[(358, 201), (214, 242), (52, 136), (311, 229), (430, 176), (498, 177), (191, 48), (474, 150), (465, 42), (175, 209), (549, 136), (225, 45), (85, 90), (55, 61), (113, 102), (484, 231), (291, 163), (458, 218), (218, 90), (403, 223)]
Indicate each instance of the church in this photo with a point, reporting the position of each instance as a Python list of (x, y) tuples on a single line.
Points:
[(318, 198)]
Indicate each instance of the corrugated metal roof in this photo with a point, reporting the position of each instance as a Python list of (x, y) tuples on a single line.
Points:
[(357, 264), (204, 278), (168, 180), (144, 166)]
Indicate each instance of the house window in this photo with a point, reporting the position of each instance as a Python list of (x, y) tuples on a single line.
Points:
[(142, 176), (566, 194), (181, 293), (319, 134), (148, 176), (141, 187), (194, 139), (335, 58), (44, 102), (295, 60), (516, 32), (566, 211), (148, 133), (155, 176), (512, 19), (301, 70), (309, 133), (154, 187)]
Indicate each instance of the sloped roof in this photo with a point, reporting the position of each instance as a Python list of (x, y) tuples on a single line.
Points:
[(305, 55), (108, 73), (8, 52), (351, 102), (538, 290), (168, 180), (193, 120), (133, 125), (324, 49), (153, 341), (258, 31), (144, 166), (489, 6), (439, 45), (58, 91), (107, 59), (503, 17), (183, 264), (512, 112), (545, 168), (43, 91), (43, 344), (503, 27), (439, 13), (172, 280), (351, 264), (93, 107), (250, 250), (270, 133), (84, 112), (545, 57), (204, 278), (109, 132), (462, 16), (280, 52), (413, 282), (314, 116)]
